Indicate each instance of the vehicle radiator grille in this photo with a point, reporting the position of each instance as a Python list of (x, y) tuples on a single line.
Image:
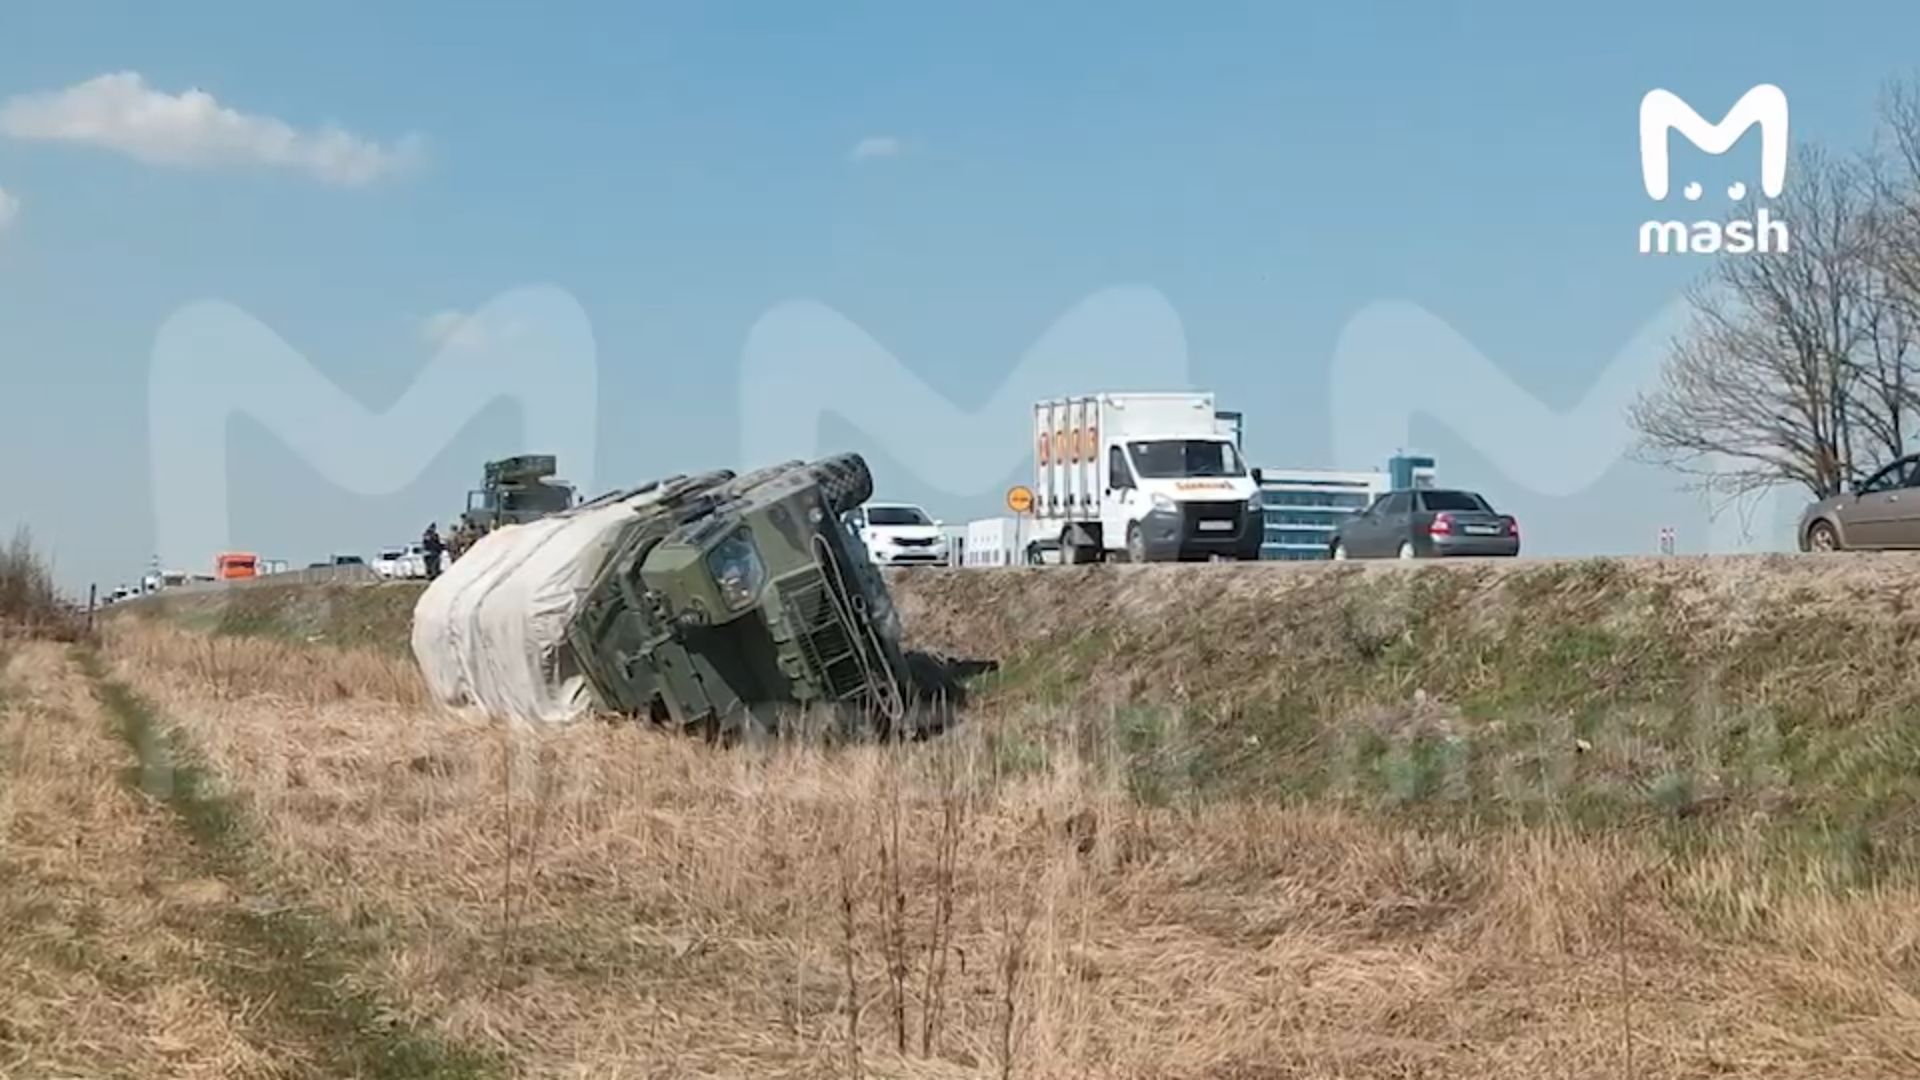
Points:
[(822, 637)]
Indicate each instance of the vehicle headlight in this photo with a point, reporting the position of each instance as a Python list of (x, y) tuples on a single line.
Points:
[(1253, 501), (737, 569), (1164, 505)]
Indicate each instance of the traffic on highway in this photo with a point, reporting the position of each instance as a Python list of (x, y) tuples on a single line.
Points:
[(1117, 477)]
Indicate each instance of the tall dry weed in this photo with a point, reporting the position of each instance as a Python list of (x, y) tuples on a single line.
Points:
[(30, 604)]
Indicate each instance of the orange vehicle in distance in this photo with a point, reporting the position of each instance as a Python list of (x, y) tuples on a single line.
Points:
[(236, 565)]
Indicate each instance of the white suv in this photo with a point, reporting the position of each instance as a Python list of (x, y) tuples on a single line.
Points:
[(899, 534)]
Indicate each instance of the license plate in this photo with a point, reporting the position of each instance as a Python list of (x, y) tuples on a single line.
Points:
[(1216, 526), (1483, 530)]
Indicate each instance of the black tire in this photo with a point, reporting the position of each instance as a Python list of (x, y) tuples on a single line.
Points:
[(1136, 545), (1088, 554), (1822, 536), (1033, 556), (845, 481)]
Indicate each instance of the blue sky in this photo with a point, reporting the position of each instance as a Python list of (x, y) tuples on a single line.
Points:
[(1270, 169)]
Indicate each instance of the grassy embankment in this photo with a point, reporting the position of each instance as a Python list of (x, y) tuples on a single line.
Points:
[(1591, 819)]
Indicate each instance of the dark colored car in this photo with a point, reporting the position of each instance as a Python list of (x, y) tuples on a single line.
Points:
[(1424, 523)]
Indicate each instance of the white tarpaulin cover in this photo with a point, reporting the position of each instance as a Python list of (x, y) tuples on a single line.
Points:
[(486, 631)]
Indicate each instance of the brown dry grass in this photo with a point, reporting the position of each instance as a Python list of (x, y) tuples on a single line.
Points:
[(100, 962), (607, 901), (29, 602)]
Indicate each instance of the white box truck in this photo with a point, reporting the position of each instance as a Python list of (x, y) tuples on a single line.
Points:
[(1148, 477)]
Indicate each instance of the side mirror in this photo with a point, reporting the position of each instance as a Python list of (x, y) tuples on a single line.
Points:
[(1256, 474)]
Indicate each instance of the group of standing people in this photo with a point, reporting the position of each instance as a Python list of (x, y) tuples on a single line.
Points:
[(439, 549)]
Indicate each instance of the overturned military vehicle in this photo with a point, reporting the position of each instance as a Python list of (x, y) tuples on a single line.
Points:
[(715, 603)]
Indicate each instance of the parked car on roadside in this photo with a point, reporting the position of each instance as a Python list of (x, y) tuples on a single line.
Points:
[(900, 534), (1880, 513), (389, 562), (1426, 523), (401, 562)]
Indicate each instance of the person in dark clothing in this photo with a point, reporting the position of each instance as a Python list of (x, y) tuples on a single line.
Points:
[(435, 547)]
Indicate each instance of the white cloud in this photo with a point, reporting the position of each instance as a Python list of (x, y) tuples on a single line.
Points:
[(876, 146), (9, 209), (193, 130)]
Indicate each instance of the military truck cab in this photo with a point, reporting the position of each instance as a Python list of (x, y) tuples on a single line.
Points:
[(712, 602), (758, 601), (517, 490)]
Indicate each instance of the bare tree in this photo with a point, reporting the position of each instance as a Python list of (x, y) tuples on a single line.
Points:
[(1894, 225), (1764, 388)]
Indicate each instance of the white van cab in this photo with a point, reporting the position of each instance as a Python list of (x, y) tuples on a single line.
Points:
[(1145, 476)]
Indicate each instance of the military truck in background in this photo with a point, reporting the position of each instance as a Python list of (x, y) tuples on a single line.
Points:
[(516, 490), (716, 603)]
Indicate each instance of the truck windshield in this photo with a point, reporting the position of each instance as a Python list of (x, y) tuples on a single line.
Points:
[(1167, 459), (896, 515)]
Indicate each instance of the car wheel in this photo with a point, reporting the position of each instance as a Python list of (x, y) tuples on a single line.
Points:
[(1136, 545), (1821, 536), (1406, 549), (1339, 552)]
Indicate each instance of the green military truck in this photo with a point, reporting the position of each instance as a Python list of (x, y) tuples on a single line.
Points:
[(717, 603), (516, 490)]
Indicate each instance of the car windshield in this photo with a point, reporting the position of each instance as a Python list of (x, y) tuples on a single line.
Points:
[(896, 515), (1167, 459), (1454, 500)]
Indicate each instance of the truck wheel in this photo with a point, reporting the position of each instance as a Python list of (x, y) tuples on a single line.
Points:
[(1136, 545), (845, 481)]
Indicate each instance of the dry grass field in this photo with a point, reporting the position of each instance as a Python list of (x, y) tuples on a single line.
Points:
[(1587, 820)]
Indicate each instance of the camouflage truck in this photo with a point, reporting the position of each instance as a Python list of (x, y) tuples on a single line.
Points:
[(716, 603), (514, 491)]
